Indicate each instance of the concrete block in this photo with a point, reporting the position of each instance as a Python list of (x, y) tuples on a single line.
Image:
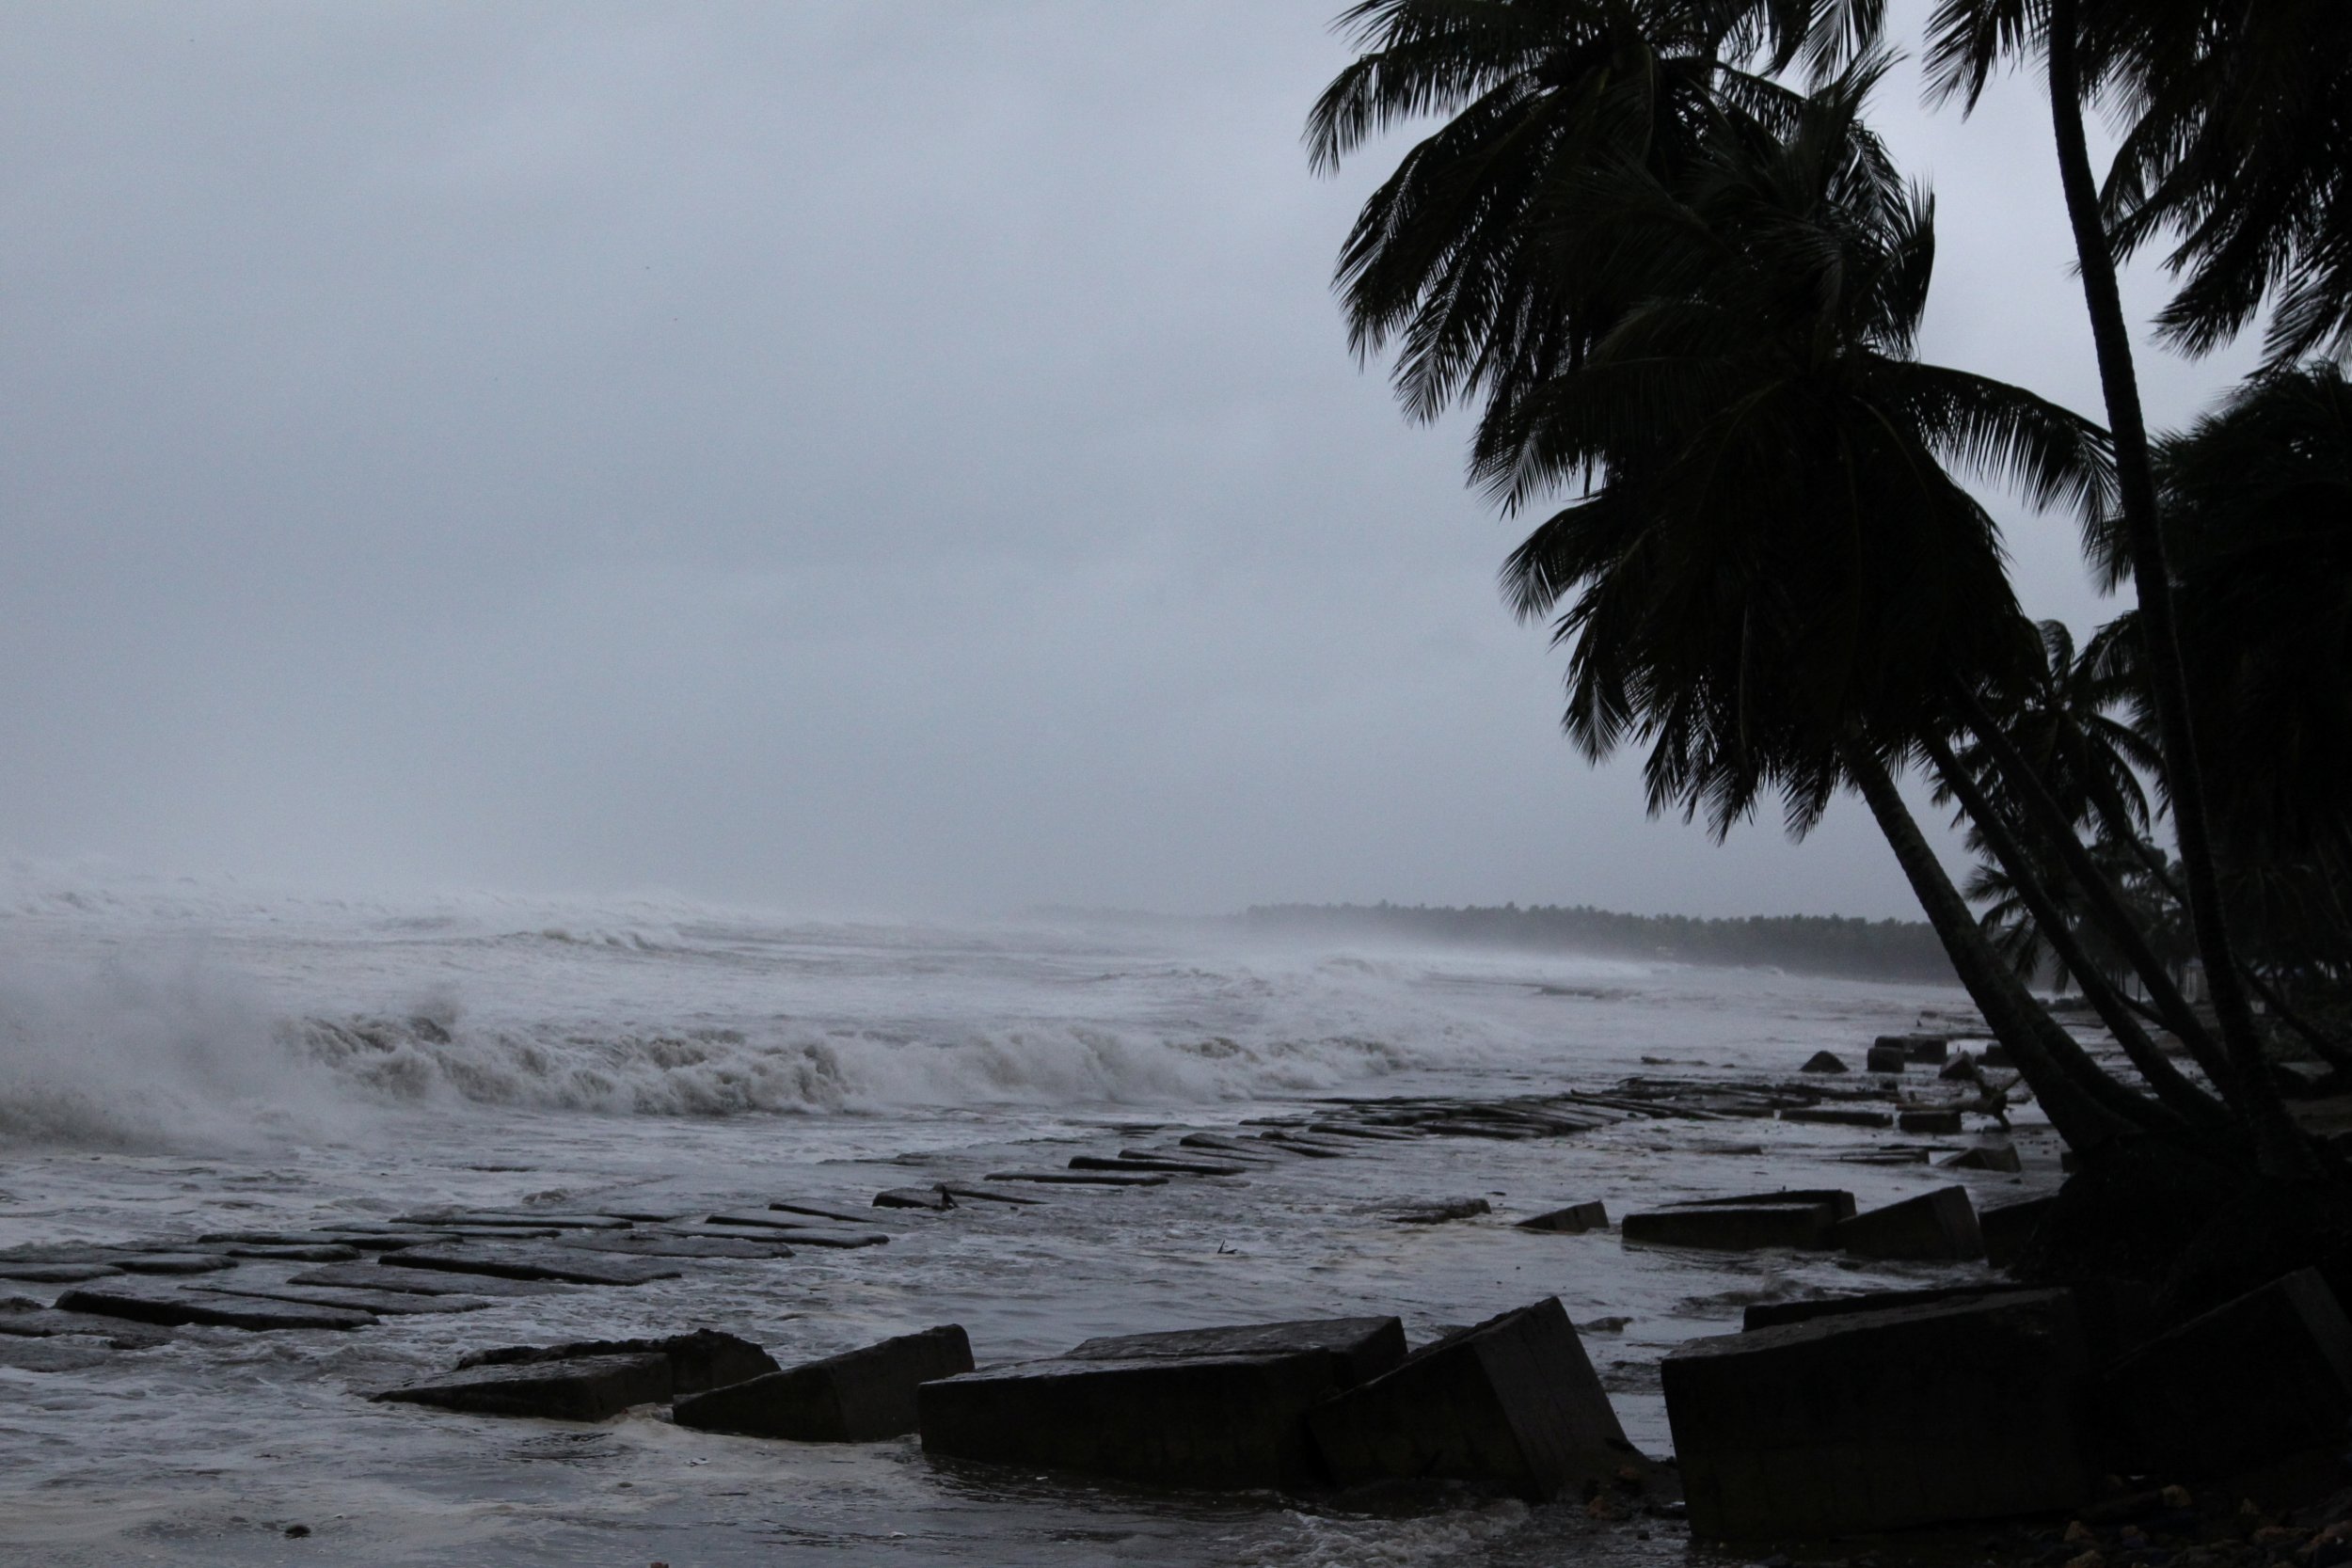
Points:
[(702, 1358), (173, 1308), (860, 1396), (936, 1199), (1513, 1400), (1838, 1201), (371, 1277), (1997, 1157), (2008, 1227), (1940, 1225), (1931, 1121), (2253, 1381), (1824, 1061), (1878, 1420), (1218, 1408), (1916, 1047), (1575, 1217), (1886, 1059), (1837, 1116), (569, 1265), (581, 1388), (1795, 1219)]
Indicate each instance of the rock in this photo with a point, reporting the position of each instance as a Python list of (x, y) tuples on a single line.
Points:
[(860, 1396), (1882, 1420), (1575, 1217), (1155, 1164), (1935, 1226), (1931, 1121), (1886, 1059), (669, 1243), (173, 1262), (171, 1308), (1734, 1226), (581, 1388), (571, 1265), (56, 1273), (1839, 1117), (1081, 1177), (936, 1199), (701, 1359), (1437, 1213), (1513, 1400), (2254, 1380), (373, 1276), (1999, 1157), (1215, 1408), (1824, 1061)]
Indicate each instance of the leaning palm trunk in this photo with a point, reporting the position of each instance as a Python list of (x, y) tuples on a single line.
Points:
[(2017, 1020), (2185, 1099), (2107, 904), (2279, 1146)]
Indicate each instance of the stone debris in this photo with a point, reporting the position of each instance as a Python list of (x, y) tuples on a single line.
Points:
[(1512, 1402), (1575, 1217), (860, 1396), (1939, 1226), (1881, 1420), (1219, 1409)]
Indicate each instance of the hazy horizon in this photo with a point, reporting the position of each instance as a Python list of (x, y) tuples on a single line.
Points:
[(841, 457)]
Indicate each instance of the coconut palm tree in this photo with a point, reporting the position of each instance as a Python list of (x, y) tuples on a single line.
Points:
[(1969, 38), (1771, 574)]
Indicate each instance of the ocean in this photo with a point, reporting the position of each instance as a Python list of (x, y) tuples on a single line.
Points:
[(178, 1057)]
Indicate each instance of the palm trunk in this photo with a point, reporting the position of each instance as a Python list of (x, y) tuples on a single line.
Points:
[(2107, 904), (2279, 1146), (2016, 1020), (2177, 1093)]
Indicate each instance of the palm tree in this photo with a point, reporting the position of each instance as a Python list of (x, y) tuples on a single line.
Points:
[(1968, 39), (1771, 574)]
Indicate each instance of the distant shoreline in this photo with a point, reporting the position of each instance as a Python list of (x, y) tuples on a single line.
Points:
[(1900, 950)]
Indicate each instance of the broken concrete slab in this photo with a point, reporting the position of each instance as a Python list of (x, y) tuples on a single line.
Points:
[(323, 1252), (172, 1263), (1824, 1061), (1881, 1420), (585, 1388), (1368, 1346), (860, 1396), (1441, 1212), (1733, 1225), (1914, 1047), (1513, 1400), (814, 1213), (700, 1359), (1080, 1178), (1154, 1163), (797, 1231), (1575, 1217), (50, 1356), (984, 1194), (2112, 1314), (174, 1308), (2254, 1380), (1220, 1422), (375, 1276), (1358, 1130), (936, 1199), (1995, 1157), (2008, 1227), (541, 1261), (1257, 1149), (503, 1219), (1938, 1225), (669, 1243), (1936, 1121), (34, 1321), (1840, 1202), (1834, 1115), (56, 1273), (383, 1304)]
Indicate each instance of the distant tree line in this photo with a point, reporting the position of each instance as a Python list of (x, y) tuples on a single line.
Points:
[(1809, 944)]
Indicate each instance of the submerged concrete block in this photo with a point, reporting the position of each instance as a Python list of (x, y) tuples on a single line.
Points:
[(1575, 1217), (1791, 1220), (2254, 1380), (1512, 1401), (1883, 1057), (171, 1308), (1936, 1226), (860, 1396), (1824, 1061), (1999, 1157), (1217, 1408), (1834, 1115), (1880, 1420), (579, 1388), (936, 1199), (531, 1261), (699, 1359), (2008, 1227), (1927, 1121)]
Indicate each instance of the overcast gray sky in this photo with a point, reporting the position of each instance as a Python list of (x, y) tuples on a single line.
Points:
[(853, 456)]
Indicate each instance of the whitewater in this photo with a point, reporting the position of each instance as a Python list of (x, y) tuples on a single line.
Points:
[(179, 1056)]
